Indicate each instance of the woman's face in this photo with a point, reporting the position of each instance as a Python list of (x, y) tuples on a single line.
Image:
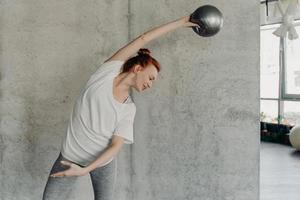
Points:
[(144, 77)]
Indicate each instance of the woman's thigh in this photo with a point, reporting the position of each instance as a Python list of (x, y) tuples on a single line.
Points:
[(59, 187), (103, 181)]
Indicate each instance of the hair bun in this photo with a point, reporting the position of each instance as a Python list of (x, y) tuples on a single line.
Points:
[(144, 52)]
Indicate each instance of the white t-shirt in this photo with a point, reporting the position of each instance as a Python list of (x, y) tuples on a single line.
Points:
[(97, 116)]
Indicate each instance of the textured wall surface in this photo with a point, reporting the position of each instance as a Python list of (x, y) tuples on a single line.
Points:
[(196, 130), (48, 51)]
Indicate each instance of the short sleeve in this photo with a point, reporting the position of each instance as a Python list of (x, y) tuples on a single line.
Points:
[(110, 66), (125, 126)]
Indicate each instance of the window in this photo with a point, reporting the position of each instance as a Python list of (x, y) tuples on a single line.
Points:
[(280, 100), (269, 62), (292, 86), (291, 112), (269, 111)]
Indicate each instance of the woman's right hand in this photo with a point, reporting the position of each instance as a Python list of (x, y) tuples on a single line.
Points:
[(187, 23), (73, 170)]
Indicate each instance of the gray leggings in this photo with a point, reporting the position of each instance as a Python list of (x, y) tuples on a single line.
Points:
[(103, 180)]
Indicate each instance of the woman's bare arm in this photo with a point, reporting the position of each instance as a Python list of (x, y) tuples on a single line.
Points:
[(132, 47), (76, 170), (111, 151)]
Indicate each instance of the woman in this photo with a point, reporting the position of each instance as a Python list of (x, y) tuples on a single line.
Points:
[(102, 117)]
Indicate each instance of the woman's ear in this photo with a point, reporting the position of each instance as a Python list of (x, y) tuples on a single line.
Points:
[(137, 68)]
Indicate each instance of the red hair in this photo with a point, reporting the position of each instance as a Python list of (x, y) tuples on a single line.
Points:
[(143, 58)]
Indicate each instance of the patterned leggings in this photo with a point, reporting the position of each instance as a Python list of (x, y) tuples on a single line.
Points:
[(103, 180)]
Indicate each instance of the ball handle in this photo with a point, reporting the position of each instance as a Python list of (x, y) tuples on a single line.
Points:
[(198, 29)]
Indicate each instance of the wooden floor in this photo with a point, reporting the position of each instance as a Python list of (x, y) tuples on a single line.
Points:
[(279, 172)]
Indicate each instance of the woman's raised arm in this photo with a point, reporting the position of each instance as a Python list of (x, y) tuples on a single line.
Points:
[(132, 47)]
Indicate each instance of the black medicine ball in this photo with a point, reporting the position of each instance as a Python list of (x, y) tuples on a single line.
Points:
[(209, 18)]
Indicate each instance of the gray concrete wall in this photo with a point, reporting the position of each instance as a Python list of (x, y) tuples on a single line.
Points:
[(196, 130)]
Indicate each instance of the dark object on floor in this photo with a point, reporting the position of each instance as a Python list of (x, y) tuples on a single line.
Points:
[(276, 133)]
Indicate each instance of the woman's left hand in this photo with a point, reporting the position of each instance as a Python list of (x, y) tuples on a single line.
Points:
[(74, 170)]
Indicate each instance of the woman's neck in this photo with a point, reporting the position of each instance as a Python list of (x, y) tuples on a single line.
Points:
[(122, 83)]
